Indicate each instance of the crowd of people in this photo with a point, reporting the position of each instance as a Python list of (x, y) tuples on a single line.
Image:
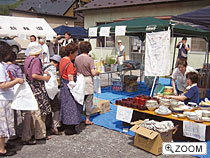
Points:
[(61, 113), (57, 114)]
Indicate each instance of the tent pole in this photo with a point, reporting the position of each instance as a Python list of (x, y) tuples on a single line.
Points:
[(207, 64), (206, 52), (153, 86), (174, 55)]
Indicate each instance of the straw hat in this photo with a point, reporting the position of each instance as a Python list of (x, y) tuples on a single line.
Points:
[(34, 49), (119, 41)]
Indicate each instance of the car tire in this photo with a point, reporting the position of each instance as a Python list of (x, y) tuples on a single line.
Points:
[(15, 49)]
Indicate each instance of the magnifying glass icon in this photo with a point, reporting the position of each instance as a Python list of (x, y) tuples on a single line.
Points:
[(168, 147)]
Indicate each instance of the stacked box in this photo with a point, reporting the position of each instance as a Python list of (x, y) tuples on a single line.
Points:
[(100, 106), (117, 85), (130, 83)]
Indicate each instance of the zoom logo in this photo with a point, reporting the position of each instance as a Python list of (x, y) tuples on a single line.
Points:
[(184, 148)]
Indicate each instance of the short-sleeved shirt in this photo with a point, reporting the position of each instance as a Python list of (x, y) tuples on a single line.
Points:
[(35, 68), (192, 95), (181, 79), (122, 48), (84, 64), (5, 94), (45, 51), (51, 68), (69, 70), (182, 53), (15, 70)]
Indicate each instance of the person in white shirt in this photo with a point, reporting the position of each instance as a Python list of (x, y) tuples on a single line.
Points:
[(45, 55), (120, 52), (6, 97), (67, 39), (179, 74), (32, 39)]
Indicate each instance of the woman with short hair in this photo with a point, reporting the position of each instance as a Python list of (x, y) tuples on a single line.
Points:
[(179, 74), (85, 66), (70, 113)]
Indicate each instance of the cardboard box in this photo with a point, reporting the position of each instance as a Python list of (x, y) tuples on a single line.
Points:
[(150, 140), (131, 88), (100, 106)]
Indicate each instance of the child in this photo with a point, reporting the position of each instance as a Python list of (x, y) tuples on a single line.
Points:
[(192, 95), (6, 96), (55, 103), (14, 71)]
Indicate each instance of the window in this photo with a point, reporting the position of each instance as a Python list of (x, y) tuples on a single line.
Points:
[(198, 44), (105, 42)]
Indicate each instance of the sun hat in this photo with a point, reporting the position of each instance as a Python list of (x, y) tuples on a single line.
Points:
[(119, 41), (56, 58), (34, 49)]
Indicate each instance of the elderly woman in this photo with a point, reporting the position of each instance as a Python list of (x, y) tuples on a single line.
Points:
[(179, 74), (35, 78), (70, 113), (6, 97), (85, 66)]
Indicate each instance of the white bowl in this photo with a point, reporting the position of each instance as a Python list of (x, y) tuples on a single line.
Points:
[(152, 108), (207, 119), (181, 115), (186, 113), (206, 113)]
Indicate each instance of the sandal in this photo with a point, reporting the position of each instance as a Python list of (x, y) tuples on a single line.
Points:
[(30, 142), (8, 153), (88, 123), (54, 132)]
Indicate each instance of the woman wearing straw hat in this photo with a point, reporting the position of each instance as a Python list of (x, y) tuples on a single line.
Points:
[(35, 78), (120, 54)]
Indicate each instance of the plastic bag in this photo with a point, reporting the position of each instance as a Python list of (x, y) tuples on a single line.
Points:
[(97, 84), (24, 98), (52, 86), (78, 89)]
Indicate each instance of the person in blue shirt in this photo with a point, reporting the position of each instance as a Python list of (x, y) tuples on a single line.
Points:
[(192, 95)]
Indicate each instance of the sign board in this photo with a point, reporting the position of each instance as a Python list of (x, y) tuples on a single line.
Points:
[(120, 30), (104, 31), (194, 130), (92, 32), (124, 114)]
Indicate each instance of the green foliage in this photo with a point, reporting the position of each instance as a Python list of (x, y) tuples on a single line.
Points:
[(109, 60), (4, 9)]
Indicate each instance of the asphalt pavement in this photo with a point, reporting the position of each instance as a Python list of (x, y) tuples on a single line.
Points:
[(93, 142)]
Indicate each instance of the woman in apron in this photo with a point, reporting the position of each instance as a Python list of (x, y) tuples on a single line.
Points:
[(70, 113), (85, 66), (179, 74), (34, 121)]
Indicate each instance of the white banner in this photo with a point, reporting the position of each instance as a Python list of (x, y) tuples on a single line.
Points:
[(92, 32), (124, 114), (157, 54), (194, 130), (104, 31), (120, 30)]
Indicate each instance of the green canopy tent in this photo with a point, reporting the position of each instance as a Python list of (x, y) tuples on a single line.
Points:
[(148, 24), (140, 26)]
